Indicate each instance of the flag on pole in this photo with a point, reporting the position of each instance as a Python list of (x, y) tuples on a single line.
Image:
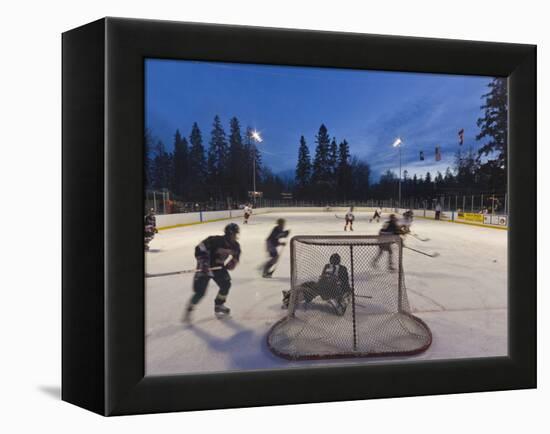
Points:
[(437, 153), (461, 136), (421, 155)]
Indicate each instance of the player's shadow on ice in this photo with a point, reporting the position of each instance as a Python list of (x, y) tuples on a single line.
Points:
[(241, 347)]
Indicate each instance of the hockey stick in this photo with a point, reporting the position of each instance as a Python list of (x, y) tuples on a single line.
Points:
[(364, 296), (431, 255), (173, 273), (338, 217), (418, 237)]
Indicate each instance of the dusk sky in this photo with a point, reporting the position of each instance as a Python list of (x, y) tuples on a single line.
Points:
[(367, 108)]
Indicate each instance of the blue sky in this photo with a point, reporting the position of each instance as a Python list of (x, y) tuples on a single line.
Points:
[(367, 108)]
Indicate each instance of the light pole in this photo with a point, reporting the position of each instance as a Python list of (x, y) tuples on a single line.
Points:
[(256, 138), (397, 144)]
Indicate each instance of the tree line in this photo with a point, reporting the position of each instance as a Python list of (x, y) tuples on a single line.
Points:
[(332, 174), (217, 171), (223, 168)]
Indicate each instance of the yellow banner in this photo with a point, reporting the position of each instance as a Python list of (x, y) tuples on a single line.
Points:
[(472, 217)]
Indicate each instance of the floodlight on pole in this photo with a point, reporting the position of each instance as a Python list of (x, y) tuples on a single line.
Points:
[(256, 138), (397, 144)]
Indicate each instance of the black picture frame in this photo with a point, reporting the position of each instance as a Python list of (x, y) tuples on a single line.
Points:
[(103, 261)]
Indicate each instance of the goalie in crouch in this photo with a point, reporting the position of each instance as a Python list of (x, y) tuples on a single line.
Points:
[(211, 255), (333, 286)]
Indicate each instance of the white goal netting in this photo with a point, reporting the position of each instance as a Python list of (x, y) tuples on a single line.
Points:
[(347, 299)]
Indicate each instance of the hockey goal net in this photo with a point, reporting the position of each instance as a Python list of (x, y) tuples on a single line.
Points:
[(347, 299)]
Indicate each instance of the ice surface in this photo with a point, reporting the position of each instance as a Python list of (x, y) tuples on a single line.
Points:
[(461, 295)]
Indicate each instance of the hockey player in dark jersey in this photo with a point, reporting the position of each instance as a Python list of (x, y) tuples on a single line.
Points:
[(272, 242), (349, 219), (333, 286), (212, 254), (391, 227), (150, 227), (377, 215)]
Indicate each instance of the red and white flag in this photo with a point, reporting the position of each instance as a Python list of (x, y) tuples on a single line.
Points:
[(461, 136)]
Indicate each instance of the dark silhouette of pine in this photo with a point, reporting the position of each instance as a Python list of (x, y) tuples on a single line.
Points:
[(181, 165), (197, 165), (303, 168), (321, 163)]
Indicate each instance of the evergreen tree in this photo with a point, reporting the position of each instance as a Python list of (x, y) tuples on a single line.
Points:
[(414, 186), (344, 172), (181, 166), (387, 186), (237, 175), (303, 167), (271, 185), (333, 157), (321, 163), (197, 164), (438, 181), (493, 124), (428, 178), (217, 159), (448, 179), (148, 159), (428, 185), (466, 167), (161, 167)]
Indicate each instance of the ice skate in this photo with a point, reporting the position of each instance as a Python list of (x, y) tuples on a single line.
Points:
[(222, 311), (186, 317)]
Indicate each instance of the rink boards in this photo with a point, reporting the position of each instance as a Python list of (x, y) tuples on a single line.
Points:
[(461, 294)]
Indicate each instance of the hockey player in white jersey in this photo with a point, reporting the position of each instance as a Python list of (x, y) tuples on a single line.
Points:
[(247, 213), (407, 221)]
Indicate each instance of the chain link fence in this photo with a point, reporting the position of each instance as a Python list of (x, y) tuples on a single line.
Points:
[(489, 203)]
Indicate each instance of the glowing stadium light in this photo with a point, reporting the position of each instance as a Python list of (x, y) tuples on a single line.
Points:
[(256, 136), (397, 142)]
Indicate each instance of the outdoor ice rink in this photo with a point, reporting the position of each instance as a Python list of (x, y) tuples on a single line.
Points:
[(461, 294)]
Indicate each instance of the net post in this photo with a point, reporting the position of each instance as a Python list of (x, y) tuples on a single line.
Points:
[(353, 298), (400, 276), (293, 293)]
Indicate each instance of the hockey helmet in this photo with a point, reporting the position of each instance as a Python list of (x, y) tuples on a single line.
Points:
[(231, 229), (281, 222)]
